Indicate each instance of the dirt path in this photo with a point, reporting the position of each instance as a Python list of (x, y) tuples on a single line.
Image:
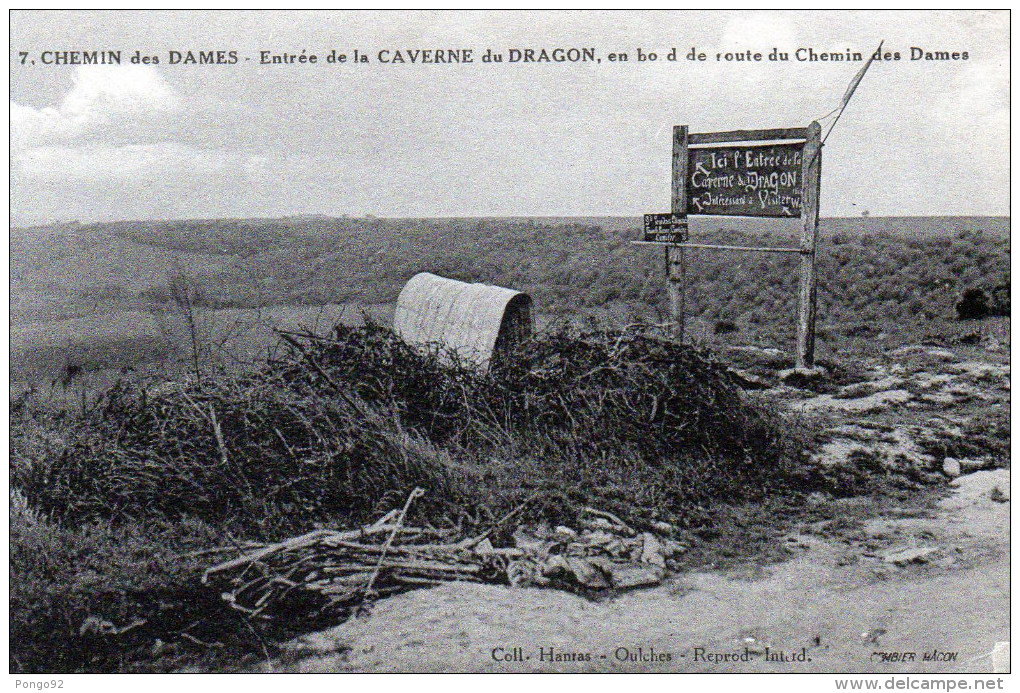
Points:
[(833, 608)]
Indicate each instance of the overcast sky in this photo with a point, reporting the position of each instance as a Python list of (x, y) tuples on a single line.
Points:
[(183, 141)]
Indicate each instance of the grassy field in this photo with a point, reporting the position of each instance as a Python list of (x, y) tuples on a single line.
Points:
[(120, 485)]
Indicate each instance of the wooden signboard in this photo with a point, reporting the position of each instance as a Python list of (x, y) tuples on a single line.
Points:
[(752, 173), (746, 181)]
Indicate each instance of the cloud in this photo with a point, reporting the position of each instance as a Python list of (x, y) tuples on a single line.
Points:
[(136, 163), (115, 127), (127, 101)]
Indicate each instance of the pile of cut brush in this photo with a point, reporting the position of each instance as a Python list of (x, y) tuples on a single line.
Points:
[(618, 397), (341, 427), (327, 575), (617, 388)]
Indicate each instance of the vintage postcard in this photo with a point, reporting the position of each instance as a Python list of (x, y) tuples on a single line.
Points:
[(511, 342)]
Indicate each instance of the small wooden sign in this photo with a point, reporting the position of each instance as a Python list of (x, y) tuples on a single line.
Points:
[(749, 181), (665, 228)]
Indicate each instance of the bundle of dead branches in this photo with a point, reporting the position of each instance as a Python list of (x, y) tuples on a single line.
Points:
[(337, 428), (328, 574), (597, 394)]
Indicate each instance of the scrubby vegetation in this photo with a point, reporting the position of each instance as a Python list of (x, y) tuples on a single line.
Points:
[(870, 277), (102, 597), (339, 430), (869, 271)]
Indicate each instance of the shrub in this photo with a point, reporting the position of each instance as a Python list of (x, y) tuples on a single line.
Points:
[(973, 305), (1000, 301), (725, 327)]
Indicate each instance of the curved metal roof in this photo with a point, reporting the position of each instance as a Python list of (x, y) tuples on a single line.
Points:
[(461, 317)]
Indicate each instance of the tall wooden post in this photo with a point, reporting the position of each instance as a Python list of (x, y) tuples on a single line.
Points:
[(812, 177), (675, 261)]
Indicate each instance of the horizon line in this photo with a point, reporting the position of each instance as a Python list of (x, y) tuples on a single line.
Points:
[(319, 215)]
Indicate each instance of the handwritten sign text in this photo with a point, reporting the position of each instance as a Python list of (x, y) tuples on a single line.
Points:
[(749, 181)]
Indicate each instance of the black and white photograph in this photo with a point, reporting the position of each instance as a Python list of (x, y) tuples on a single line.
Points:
[(510, 342)]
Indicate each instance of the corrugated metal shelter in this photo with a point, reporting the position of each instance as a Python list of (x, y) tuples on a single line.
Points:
[(476, 321)]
